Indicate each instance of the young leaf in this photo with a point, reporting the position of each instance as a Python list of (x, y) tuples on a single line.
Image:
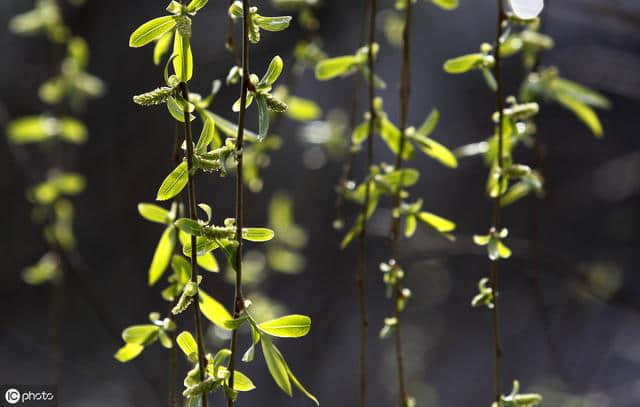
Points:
[(435, 150), (273, 72), (189, 226), (207, 135), (151, 30), (263, 117), (276, 365), (183, 64), (174, 183), (391, 135), (153, 213), (241, 382), (463, 63), (442, 225), (257, 234), (586, 114), (196, 5), (290, 326), (446, 4), (203, 247), (293, 378), (213, 310), (128, 352), (162, 255), (333, 67), (140, 334), (188, 345), (208, 262), (162, 47), (429, 124), (176, 110)]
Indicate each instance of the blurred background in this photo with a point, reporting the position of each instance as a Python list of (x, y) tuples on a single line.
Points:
[(571, 307)]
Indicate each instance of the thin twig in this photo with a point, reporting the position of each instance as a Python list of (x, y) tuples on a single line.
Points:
[(238, 303), (191, 193), (362, 252), (497, 207), (405, 93)]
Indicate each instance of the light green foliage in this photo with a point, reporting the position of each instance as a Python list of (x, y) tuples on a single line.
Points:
[(260, 89), (137, 337), (331, 68), (484, 296), (38, 129), (258, 22), (282, 254), (44, 18), (515, 399), (45, 270), (495, 248), (580, 100), (444, 4)]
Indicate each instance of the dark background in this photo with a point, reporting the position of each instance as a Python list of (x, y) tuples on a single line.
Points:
[(574, 340)]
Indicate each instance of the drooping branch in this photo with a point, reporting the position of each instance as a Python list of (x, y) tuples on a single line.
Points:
[(497, 216), (191, 195), (238, 303)]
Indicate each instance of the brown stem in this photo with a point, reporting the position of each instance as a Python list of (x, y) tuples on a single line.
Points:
[(191, 193), (405, 93), (497, 221), (362, 253), (238, 303)]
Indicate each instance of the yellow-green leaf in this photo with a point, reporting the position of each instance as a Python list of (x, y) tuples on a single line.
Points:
[(290, 326), (151, 30), (162, 255)]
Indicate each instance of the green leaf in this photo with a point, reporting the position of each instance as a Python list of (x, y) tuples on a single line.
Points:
[(213, 310), (429, 124), (257, 234), (73, 130), (303, 110), (176, 110), (263, 117), (196, 5), (189, 226), (154, 213), (162, 47), (151, 30), (255, 338), (203, 246), (162, 255), (446, 4), (140, 334), (408, 176), (207, 135), (436, 150), (392, 136), (586, 114), (181, 267), (273, 72), (174, 183), (188, 345), (442, 225), (293, 378), (463, 63), (411, 225), (230, 129), (241, 382), (580, 92), (32, 129), (276, 365), (333, 67), (290, 326), (183, 64), (360, 133), (128, 352), (273, 24)]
